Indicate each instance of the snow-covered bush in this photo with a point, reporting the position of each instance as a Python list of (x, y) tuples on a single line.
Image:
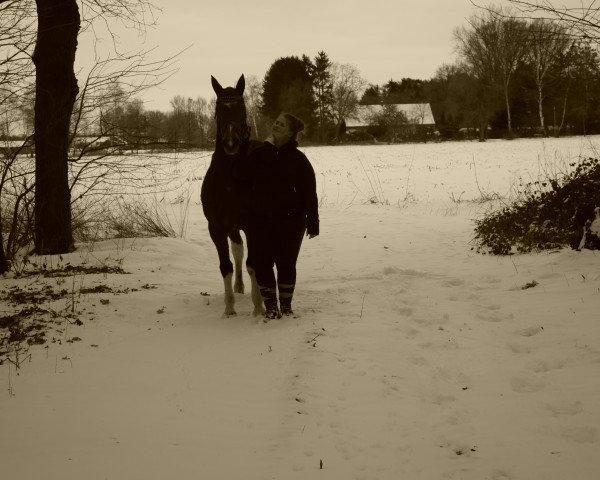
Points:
[(550, 213)]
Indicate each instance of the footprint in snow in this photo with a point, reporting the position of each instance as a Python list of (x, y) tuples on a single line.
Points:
[(544, 366), (404, 311), (489, 279), (530, 331), (440, 399), (527, 384), (494, 307), (502, 475), (494, 318), (580, 434), (560, 409), (409, 332), (453, 282), (516, 347)]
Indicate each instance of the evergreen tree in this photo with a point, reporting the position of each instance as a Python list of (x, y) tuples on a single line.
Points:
[(372, 95), (323, 88), (288, 87), (408, 90)]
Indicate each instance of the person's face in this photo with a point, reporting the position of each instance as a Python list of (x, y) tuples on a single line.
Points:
[(281, 130)]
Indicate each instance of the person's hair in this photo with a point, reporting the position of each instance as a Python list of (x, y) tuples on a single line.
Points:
[(296, 125)]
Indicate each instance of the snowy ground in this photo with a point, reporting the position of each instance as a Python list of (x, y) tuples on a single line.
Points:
[(413, 357)]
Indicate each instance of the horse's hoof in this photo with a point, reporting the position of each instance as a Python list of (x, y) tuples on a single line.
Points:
[(258, 312), (231, 313)]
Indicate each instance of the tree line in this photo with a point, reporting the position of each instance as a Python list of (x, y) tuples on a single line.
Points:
[(513, 76), (321, 92)]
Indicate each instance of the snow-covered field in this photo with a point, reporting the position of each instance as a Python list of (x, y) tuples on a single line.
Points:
[(413, 357)]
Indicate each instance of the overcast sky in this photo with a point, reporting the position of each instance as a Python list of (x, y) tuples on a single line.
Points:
[(385, 39)]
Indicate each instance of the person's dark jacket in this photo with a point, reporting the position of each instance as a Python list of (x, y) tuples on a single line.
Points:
[(281, 182)]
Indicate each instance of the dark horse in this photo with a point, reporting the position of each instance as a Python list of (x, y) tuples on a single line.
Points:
[(221, 192)]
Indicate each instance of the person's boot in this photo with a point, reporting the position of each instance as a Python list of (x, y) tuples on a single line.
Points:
[(270, 300), (286, 306), (286, 291), (271, 311)]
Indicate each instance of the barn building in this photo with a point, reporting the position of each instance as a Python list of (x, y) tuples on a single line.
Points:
[(419, 119)]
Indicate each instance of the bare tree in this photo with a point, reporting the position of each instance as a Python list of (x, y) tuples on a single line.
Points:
[(112, 85), (18, 35), (17, 39), (187, 121), (108, 120), (492, 46), (582, 20), (56, 90), (253, 98), (548, 44), (204, 118), (348, 85), (16, 202), (389, 122), (95, 14)]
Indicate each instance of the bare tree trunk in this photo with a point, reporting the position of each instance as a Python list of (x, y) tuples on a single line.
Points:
[(3, 262), (540, 107), (255, 124), (482, 130), (482, 120), (509, 122), (56, 89), (564, 112)]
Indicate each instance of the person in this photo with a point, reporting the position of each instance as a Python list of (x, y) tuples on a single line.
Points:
[(283, 205)]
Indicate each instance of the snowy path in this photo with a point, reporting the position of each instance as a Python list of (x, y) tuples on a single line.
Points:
[(413, 357), (449, 369)]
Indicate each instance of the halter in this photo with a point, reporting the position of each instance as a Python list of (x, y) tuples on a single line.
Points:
[(229, 99), (232, 130)]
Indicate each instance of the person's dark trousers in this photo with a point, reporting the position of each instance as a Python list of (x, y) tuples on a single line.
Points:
[(276, 243)]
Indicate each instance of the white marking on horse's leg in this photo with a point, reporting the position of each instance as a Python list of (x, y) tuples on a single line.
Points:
[(257, 300), (229, 296), (237, 250)]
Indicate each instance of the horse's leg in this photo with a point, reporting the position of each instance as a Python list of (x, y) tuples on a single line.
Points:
[(219, 238), (237, 250), (229, 296), (257, 300)]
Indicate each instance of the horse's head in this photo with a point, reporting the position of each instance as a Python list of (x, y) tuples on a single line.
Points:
[(232, 129)]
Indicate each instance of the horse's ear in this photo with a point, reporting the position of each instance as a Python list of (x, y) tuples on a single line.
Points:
[(241, 84), (216, 85)]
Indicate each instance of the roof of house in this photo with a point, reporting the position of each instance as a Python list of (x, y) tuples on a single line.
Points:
[(416, 113)]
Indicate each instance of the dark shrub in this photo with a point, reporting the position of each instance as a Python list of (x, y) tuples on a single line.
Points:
[(551, 214)]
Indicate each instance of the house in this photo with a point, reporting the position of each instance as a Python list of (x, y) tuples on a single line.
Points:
[(416, 113), (419, 119)]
